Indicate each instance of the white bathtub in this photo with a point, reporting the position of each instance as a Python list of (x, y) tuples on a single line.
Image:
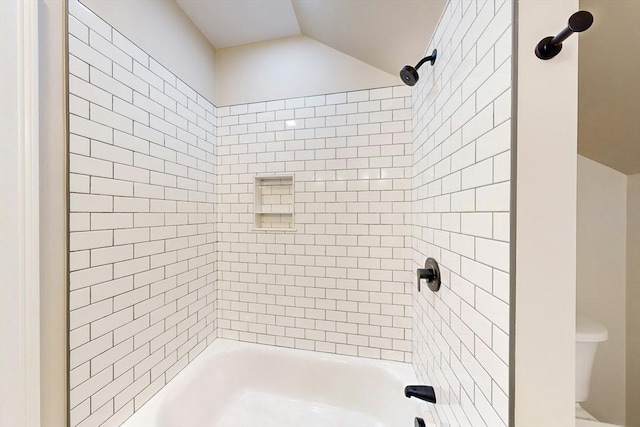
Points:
[(238, 384)]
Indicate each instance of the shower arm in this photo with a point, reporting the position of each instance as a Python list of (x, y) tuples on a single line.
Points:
[(431, 58)]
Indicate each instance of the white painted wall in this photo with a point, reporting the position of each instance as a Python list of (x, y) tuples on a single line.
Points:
[(11, 382), (288, 68), (633, 300), (165, 32), (53, 214), (545, 220), (601, 280), (19, 246)]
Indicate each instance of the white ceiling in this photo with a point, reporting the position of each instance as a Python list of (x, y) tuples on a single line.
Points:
[(228, 23), (387, 34)]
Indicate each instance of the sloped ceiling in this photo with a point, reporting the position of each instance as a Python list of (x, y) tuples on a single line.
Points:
[(609, 85), (386, 34), (229, 23)]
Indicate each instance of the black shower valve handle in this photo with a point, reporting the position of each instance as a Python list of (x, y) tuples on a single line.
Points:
[(427, 274), (430, 273)]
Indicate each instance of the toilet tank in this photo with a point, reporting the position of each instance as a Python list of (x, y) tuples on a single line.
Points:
[(589, 334)]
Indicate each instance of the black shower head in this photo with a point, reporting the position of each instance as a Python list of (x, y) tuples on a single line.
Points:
[(409, 74)]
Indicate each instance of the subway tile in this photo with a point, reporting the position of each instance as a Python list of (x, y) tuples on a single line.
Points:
[(111, 221), (336, 98), (130, 204), (502, 167), (145, 103), (147, 76), (382, 179), (494, 309), (161, 71), (93, 130), (78, 68), (129, 110), (110, 322), (104, 46), (496, 84), (89, 55), (111, 254), (78, 106), (477, 224), (90, 203), (125, 236), (90, 276), (493, 253), (476, 109), (130, 142), (478, 125), (128, 362), (111, 288), (88, 351), (110, 152), (78, 183), (108, 392), (89, 387), (79, 260), (118, 141), (88, 314), (88, 18), (494, 198), (90, 239), (130, 174), (494, 142), (502, 107), (478, 174), (184, 88), (105, 82), (126, 268), (129, 48)]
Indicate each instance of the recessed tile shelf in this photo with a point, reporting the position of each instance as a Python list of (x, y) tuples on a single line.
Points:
[(273, 203)]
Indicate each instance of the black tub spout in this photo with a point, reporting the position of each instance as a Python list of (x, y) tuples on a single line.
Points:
[(422, 392)]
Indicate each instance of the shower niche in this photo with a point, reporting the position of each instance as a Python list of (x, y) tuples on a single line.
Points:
[(273, 204)]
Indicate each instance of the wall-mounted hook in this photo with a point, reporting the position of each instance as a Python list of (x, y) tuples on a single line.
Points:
[(551, 46)]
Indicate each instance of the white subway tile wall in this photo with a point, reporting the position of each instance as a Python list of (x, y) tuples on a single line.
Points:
[(460, 195), (341, 283), (164, 251), (142, 223)]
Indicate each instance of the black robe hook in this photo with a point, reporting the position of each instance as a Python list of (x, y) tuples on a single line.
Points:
[(551, 46)]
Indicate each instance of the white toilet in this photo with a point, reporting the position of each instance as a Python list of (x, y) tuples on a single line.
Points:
[(588, 335)]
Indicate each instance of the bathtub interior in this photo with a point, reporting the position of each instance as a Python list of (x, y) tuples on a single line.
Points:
[(240, 384)]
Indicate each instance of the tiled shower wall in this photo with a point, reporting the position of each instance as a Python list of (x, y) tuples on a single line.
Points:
[(460, 193), (161, 239), (341, 283), (142, 223)]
